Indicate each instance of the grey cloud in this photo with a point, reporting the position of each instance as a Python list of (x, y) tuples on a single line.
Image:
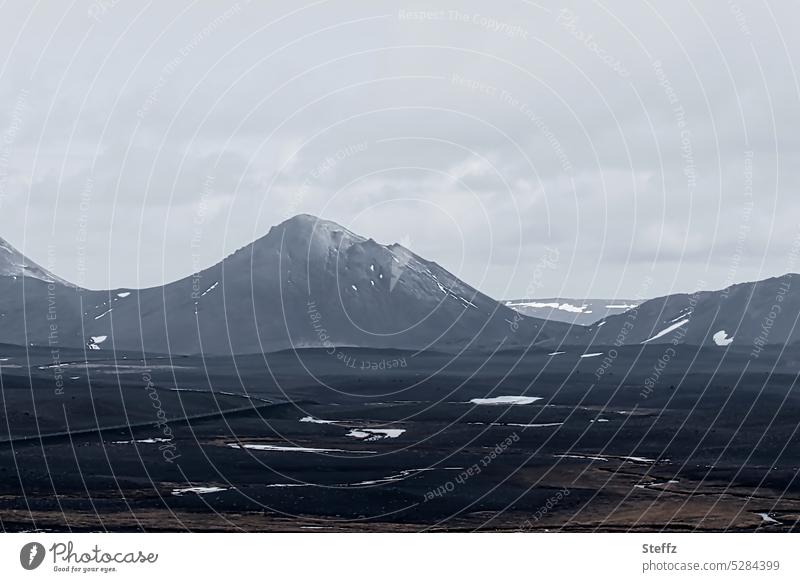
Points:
[(588, 143)]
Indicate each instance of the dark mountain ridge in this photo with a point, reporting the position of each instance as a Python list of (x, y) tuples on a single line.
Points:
[(311, 283), (306, 283), (746, 314)]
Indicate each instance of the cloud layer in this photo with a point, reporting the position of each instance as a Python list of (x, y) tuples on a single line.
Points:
[(141, 142)]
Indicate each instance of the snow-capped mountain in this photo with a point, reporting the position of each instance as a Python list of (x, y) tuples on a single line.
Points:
[(575, 311)]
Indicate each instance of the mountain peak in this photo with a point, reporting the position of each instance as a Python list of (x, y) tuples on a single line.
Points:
[(309, 221), (301, 219), (307, 231), (14, 264)]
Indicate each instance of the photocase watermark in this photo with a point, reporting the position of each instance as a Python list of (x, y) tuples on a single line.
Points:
[(776, 309), (741, 19), (767, 324), (100, 8), (82, 236), (652, 380), (346, 359), (546, 508), (8, 139), (168, 449), (682, 123), (489, 23), (195, 243), (32, 555), (511, 100), (95, 560), (421, 15), (172, 66), (794, 254), (622, 335), (569, 21), (53, 342), (323, 167), (661, 364), (745, 224), (475, 85), (67, 559), (547, 262), (476, 469), (539, 123)]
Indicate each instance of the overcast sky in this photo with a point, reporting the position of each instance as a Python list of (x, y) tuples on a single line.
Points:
[(614, 149)]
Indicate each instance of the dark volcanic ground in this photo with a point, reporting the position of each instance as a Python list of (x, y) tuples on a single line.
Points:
[(642, 438)]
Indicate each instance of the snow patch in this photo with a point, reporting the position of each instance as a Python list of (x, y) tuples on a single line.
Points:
[(313, 420), (582, 457), (284, 449), (392, 478), (638, 459), (569, 307), (210, 289), (374, 434), (144, 441), (766, 518), (198, 490), (655, 484), (721, 338), (670, 329), (104, 314), (499, 400), (466, 302)]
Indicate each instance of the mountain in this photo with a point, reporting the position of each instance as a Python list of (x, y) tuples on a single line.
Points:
[(15, 264), (312, 283), (746, 314), (36, 306), (574, 311)]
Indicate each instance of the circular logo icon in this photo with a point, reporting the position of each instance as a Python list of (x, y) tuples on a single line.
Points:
[(31, 555)]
